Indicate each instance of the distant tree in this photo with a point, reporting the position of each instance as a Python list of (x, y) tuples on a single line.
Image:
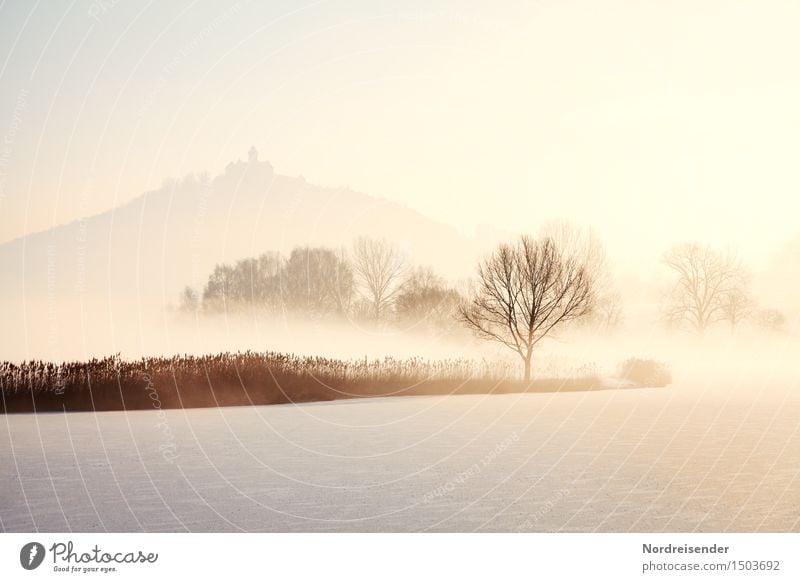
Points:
[(581, 244), (249, 282), (607, 312), (584, 246), (705, 280), (312, 280), (738, 303), (317, 281), (220, 288), (245, 284), (779, 282), (771, 320), (423, 297), (362, 309), (524, 291), (265, 280), (189, 301), (378, 266)]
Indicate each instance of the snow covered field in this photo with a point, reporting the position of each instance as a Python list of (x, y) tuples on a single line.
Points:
[(641, 460)]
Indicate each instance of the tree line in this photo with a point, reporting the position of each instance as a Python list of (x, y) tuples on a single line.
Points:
[(522, 292), (371, 282), (711, 287)]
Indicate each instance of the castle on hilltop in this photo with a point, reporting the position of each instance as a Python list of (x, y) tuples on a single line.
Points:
[(252, 166)]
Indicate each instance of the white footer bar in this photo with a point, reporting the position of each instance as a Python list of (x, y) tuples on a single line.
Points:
[(402, 557)]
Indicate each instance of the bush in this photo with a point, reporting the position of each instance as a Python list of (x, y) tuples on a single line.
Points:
[(645, 372)]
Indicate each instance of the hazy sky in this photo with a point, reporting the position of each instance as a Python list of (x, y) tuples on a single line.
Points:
[(652, 121)]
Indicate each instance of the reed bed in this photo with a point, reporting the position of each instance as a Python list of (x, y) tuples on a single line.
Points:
[(251, 378)]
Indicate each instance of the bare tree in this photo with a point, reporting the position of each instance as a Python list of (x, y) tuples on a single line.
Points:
[(607, 314), (425, 298), (189, 301), (317, 281), (265, 281), (584, 246), (771, 320), (705, 279), (737, 303), (525, 290), (220, 289), (378, 266)]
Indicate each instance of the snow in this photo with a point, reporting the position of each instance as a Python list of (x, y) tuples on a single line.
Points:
[(631, 460)]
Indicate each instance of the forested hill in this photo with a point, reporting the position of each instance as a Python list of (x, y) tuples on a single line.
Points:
[(149, 248)]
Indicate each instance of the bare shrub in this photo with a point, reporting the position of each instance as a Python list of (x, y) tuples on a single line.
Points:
[(645, 372)]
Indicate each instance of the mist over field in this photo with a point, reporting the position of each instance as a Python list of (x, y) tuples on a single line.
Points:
[(112, 283)]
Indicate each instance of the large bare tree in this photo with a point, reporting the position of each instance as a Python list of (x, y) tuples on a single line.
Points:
[(707, 280), (379, 267), (524, 290)]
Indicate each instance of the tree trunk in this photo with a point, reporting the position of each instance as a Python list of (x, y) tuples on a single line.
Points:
[(527, 377)]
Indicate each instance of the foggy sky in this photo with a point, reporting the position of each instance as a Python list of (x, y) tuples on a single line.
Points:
[(653, 122)]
